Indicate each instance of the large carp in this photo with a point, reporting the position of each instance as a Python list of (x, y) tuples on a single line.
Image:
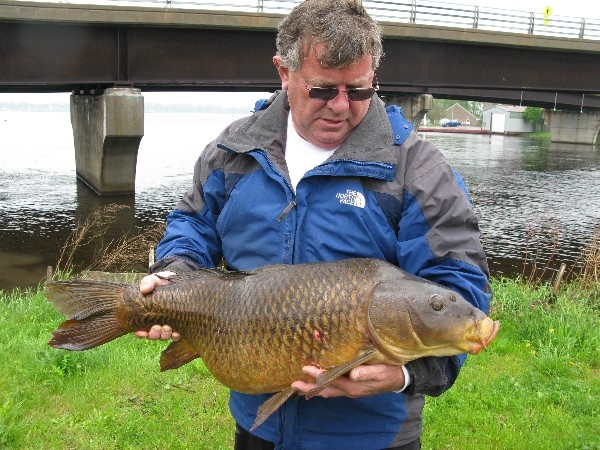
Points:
[(255, 330)]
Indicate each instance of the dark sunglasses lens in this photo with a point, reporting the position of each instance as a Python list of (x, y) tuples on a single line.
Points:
[(361, 94), (320, 93), (327, 94)]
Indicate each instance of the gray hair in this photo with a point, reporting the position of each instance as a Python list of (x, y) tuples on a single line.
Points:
[(343, 26)]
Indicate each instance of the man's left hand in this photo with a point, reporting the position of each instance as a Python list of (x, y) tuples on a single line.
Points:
[(359, 382)]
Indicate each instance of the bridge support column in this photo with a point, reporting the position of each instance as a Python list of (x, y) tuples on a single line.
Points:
[(107, 130), (574, 127), (414, 107)]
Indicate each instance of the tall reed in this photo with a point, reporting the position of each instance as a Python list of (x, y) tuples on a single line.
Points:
[(127, 253)]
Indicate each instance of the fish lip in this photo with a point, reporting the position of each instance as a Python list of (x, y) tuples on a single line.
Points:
[(476, 346)]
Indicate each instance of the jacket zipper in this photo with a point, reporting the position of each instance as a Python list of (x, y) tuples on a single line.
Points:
[(286, 211)]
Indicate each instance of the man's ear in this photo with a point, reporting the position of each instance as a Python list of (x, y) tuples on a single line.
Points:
[(284, 72)]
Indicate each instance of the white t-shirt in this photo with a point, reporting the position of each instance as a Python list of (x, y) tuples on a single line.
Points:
[(300, 155)]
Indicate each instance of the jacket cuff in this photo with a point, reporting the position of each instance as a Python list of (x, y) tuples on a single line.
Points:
[(427, 376), (174, 264)]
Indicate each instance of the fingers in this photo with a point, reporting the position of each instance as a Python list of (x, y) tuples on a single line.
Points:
[(175, 336), (162, 332), (333, 390), (360, 381), (302, 388), (142, 334), (149, 282), (313, 371)]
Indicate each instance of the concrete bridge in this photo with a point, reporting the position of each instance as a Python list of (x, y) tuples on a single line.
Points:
[(107, 55)]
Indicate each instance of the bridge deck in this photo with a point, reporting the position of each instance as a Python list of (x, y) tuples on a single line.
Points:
[(65, 47)]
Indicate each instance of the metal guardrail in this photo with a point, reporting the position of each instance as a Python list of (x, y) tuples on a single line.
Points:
[(424, 12)]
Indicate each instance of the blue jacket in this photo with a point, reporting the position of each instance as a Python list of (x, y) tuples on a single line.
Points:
[(385, 193)]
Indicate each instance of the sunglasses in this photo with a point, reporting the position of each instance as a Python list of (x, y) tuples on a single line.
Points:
[(329, 93)]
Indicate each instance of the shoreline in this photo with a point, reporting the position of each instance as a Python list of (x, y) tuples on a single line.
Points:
[(465, 130)]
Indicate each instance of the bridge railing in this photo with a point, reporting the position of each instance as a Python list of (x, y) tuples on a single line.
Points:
[(425, 12)]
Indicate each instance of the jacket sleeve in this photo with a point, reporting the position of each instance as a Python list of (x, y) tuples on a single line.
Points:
[(191, 240), (439, 239)]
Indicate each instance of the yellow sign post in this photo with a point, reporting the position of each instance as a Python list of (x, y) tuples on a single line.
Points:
[(547, 12)]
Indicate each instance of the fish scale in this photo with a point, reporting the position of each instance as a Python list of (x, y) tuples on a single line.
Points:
[(255, 330), (290, 332)]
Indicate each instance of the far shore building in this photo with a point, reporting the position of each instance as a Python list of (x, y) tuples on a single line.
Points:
[(457, 112), (505, 119)]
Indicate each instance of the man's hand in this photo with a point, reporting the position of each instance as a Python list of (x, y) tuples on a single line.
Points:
[(359, 382), (164, 332), (149, 282)]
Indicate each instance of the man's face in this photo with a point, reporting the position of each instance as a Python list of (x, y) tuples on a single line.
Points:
[(326, 124)]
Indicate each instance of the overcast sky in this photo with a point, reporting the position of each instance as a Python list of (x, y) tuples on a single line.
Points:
[(573, 8)]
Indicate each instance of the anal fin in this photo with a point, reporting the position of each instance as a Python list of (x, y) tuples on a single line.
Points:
[(176, 355)]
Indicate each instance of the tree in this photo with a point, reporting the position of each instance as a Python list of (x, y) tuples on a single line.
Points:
[(535, 116)]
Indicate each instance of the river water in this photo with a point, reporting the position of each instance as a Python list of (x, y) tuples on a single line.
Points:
[(536, 200)]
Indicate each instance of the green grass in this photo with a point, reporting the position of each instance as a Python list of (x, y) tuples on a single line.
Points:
[(110, 397), (542, 135), (537, 386)]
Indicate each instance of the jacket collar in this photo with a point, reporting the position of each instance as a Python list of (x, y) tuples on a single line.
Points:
[(370, 143)]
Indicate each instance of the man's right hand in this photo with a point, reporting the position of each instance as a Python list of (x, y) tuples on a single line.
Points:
[(164, 332)]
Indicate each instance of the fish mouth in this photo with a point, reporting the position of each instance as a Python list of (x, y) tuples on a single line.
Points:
[(485, 332)]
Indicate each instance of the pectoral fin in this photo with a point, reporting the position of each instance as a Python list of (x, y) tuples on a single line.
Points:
[(323, 380), (176, 355), (326, 378), (271, 405)]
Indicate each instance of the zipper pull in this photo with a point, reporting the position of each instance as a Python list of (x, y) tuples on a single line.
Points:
[(286, 211)]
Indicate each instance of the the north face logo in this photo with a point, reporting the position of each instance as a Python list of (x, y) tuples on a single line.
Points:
[(353, 198)]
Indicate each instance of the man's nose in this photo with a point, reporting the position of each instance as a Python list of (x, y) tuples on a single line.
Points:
[(341, 102)]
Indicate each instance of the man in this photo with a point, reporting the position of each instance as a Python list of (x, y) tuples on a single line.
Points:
[(322, 172)]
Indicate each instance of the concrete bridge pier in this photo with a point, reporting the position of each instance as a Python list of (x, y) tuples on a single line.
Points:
[(414, 107), (573, 127), (107, 130)]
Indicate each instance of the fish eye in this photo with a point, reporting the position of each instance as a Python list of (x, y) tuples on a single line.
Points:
[(436, 302)]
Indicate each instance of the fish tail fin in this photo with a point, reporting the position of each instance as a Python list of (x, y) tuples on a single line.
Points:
[(86, 333), (91, 309)]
